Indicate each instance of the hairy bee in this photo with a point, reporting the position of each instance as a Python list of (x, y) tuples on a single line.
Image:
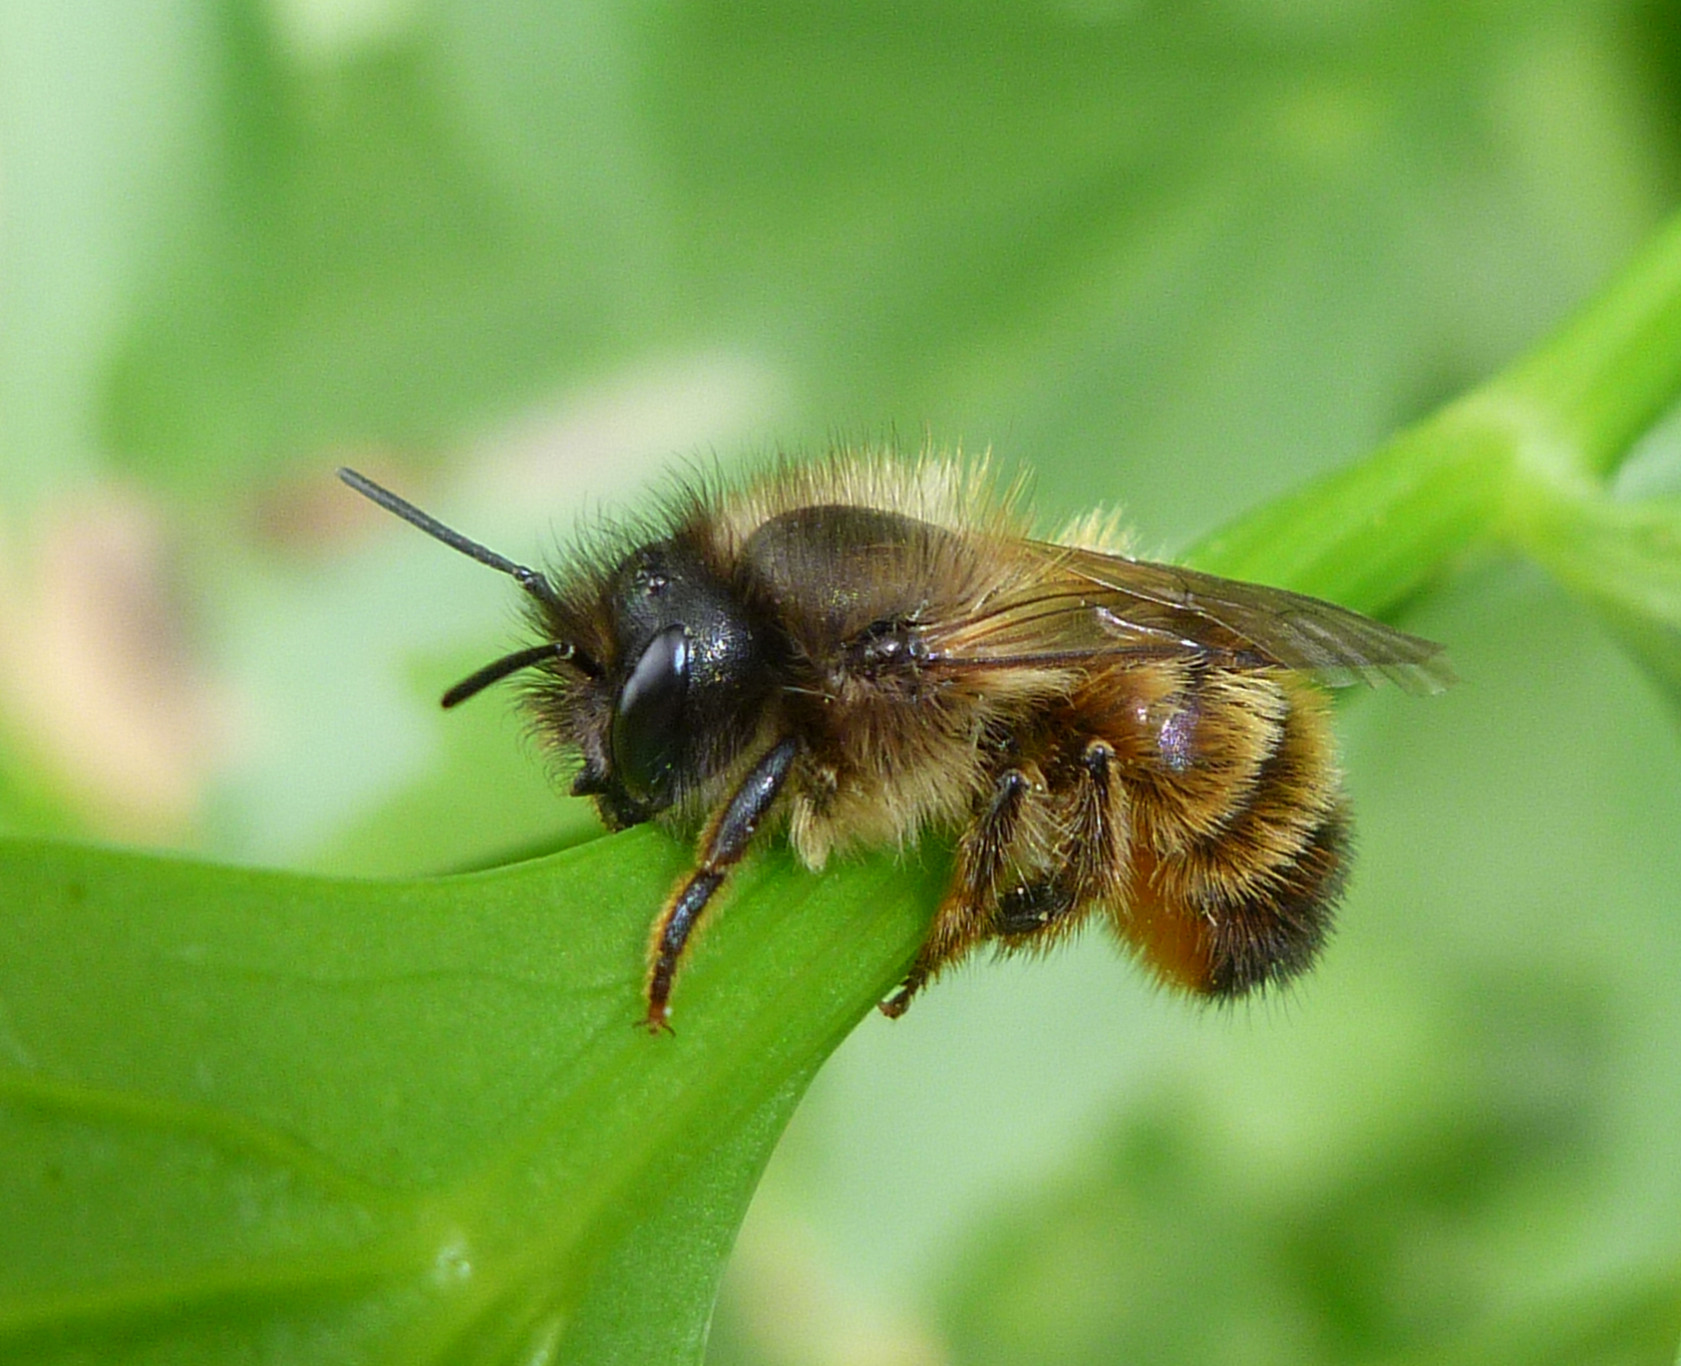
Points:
[(862, 649)]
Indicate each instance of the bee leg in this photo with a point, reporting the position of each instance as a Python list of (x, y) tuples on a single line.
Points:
[(725, 841), (900, 1001), (1093, 866), (1098, 865), (1032, 908), (963, 917)]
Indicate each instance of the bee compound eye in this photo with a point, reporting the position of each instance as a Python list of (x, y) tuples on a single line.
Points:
[(647, 728)]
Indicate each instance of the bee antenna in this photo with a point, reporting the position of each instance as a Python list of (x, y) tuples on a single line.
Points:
[(531, 580), (498, 669)]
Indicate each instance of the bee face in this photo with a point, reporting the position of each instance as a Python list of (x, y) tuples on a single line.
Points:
[(684, 676), (870, 650)]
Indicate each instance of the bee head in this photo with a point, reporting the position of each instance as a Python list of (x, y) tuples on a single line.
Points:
[(652, 671), (680, 688)]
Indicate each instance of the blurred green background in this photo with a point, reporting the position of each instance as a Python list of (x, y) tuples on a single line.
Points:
[(519, 258)]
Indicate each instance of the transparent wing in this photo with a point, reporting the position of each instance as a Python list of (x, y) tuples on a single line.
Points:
[(1069, 605)]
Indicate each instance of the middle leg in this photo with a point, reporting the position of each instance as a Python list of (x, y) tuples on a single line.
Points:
[(1048, 846), (962, 919)]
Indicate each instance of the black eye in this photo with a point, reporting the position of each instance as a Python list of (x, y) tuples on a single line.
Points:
[(648, 718)]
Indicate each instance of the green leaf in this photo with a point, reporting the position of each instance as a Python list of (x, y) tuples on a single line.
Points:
[(257, 1115), (490, 790)]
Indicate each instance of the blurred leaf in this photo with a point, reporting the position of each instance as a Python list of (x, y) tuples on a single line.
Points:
[(1180, 1240), (101, 111), (490, 799), (252, 1114), (1632, 1322), (1263, 233), (363, 276)]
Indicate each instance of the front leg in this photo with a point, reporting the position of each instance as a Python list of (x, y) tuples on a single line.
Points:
[(726, 839)]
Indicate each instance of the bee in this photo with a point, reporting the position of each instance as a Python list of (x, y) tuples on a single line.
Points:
[(863, 649)]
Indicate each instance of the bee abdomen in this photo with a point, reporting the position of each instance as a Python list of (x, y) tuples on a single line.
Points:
[(1277, 931), (1250, 903), (1269, 824), (1202, 752)]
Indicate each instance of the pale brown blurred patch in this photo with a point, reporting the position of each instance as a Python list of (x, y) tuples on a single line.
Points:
[(786, 1299), (605, 440), (98, 686), (584, 448), (307, 514)]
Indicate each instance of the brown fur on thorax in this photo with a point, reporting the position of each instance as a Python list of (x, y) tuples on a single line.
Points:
[(888, 756)]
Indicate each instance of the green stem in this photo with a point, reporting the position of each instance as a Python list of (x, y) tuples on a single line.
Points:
[(1562, 416), (1372, 535), (1603, 379)]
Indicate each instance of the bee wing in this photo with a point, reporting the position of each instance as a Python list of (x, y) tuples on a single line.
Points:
[(1077, 604)]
